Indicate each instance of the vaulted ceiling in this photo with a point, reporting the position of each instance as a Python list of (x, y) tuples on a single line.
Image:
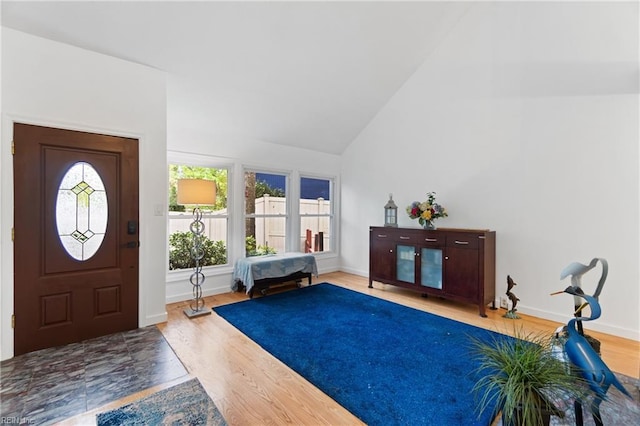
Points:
[(304, 74)]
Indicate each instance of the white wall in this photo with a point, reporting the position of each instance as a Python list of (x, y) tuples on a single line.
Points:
[(213, 149), (524, 120), (52, 84)]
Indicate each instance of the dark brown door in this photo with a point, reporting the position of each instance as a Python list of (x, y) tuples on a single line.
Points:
[(76, 236)]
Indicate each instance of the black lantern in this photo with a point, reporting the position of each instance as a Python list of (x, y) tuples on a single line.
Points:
[(391, 213)]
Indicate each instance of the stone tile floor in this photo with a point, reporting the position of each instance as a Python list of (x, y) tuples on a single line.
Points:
[(617, 409), (50, 385)]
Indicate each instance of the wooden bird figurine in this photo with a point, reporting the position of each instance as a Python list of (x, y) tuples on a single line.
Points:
[(510, 295), (514, 299)]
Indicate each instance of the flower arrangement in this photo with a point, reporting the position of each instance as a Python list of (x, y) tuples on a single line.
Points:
[(426, 211)]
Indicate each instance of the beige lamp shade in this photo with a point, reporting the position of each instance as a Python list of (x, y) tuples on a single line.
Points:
[(196, 191)]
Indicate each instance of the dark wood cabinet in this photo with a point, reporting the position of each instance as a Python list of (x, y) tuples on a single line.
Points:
[(456, 264)]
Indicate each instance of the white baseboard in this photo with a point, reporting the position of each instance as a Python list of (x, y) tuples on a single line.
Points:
[(181, 297), (355, 272), (592, 325), (153, 319)]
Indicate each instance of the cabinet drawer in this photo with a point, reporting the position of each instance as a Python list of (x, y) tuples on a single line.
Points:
[(380, 235), (432, 239), (460, 240), (408, 236)]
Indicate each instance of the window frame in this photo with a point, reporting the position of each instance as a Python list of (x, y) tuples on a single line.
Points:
[(331, 215), (287, 194), (194, 160), (236, 238)]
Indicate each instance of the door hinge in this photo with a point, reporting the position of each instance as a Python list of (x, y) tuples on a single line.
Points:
[(13, 148), (13, 320), (13, 234)]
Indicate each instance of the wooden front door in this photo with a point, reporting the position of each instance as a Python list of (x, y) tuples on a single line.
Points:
[(75, 236)]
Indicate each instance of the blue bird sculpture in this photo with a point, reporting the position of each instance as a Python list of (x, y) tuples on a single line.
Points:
[(582, 355)]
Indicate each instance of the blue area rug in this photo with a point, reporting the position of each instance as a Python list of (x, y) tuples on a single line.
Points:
[(184, 404), (385, 363)]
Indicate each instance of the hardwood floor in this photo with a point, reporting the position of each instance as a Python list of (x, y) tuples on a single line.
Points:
[(251, 387)]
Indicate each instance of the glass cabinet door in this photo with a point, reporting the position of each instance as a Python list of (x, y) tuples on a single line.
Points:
[(431, 268), (406, 264)]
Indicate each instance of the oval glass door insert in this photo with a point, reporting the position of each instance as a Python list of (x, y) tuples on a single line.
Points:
[(81, 211)]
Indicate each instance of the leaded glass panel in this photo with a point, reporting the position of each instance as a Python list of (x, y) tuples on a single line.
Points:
[(81, 211)]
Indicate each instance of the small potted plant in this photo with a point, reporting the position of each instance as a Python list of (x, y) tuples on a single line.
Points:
[(522, 378)]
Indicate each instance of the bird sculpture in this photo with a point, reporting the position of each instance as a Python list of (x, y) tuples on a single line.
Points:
[(511, 313), (582, 355), (576, 270)]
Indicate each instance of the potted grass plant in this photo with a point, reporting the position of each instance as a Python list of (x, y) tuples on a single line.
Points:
[(522, 378)]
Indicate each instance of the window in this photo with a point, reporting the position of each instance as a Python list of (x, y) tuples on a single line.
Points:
[(265, 213), (215, 218), (81, 211), (316, 214)]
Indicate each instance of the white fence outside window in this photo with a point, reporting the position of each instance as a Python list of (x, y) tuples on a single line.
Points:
[(268, 230)]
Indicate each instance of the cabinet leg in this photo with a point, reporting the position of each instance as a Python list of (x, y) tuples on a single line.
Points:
[(370, 284), (493, 305)]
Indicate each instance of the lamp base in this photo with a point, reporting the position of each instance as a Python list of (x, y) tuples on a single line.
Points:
[(190, 313)]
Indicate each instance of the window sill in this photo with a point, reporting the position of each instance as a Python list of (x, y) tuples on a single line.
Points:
[(208, 271)]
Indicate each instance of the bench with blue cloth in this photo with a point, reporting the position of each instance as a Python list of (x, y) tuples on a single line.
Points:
[(260, 272)]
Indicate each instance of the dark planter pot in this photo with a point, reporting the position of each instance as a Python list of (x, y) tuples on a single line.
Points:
[(517, 420)]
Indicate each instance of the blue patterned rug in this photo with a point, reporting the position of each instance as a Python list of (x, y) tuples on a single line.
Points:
[(184, 404), (386, 363)]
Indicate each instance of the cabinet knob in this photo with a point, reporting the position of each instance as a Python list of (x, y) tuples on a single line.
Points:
[(446, 258), (390, 251)]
